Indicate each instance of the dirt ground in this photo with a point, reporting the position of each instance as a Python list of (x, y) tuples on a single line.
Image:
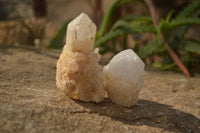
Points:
[(31, 103)]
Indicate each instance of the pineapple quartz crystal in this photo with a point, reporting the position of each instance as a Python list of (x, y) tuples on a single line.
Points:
[(78, 73)]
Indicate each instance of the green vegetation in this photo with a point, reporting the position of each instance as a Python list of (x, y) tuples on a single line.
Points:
[(173, 30), (59, 39)]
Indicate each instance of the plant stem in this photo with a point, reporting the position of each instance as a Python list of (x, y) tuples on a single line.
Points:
[(97, 11), (169, 49)]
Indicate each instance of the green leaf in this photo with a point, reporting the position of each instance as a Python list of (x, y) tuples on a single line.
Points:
[(158, 31), (193, 40), (135, 26), (58, 40), (150, 49), (189, 45), (169, 16), (182, 31), (124, 30), (111, 35), (146, 28), (132, 20), (189, 10), (137, 18), (192, 46), (183, 21), (120, 23), (108, 15), (164, 66)]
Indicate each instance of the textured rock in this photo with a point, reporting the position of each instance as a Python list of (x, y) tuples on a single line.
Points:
[(123, 78), (78, 71)]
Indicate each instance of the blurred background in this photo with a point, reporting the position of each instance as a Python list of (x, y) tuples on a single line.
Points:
[(41, 18), (147, 27)]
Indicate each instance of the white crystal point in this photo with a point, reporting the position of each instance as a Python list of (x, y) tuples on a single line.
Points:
[(81, 33), (123, 78), (78, 72)]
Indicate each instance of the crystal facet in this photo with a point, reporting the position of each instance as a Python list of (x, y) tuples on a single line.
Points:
[(123, 78), (78, 71)]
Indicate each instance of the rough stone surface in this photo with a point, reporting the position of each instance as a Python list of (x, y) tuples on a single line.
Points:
[(78, 71), (123, 78), (169, 102)]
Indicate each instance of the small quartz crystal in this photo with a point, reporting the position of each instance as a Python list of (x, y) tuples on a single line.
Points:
[(123, 78), (78, 71)]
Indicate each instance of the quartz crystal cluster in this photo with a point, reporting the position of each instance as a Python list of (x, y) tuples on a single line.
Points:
[(81, 77), (78, 71)]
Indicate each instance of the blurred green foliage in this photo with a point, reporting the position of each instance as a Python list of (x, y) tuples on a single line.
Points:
[(174, 30), (58, 40)]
